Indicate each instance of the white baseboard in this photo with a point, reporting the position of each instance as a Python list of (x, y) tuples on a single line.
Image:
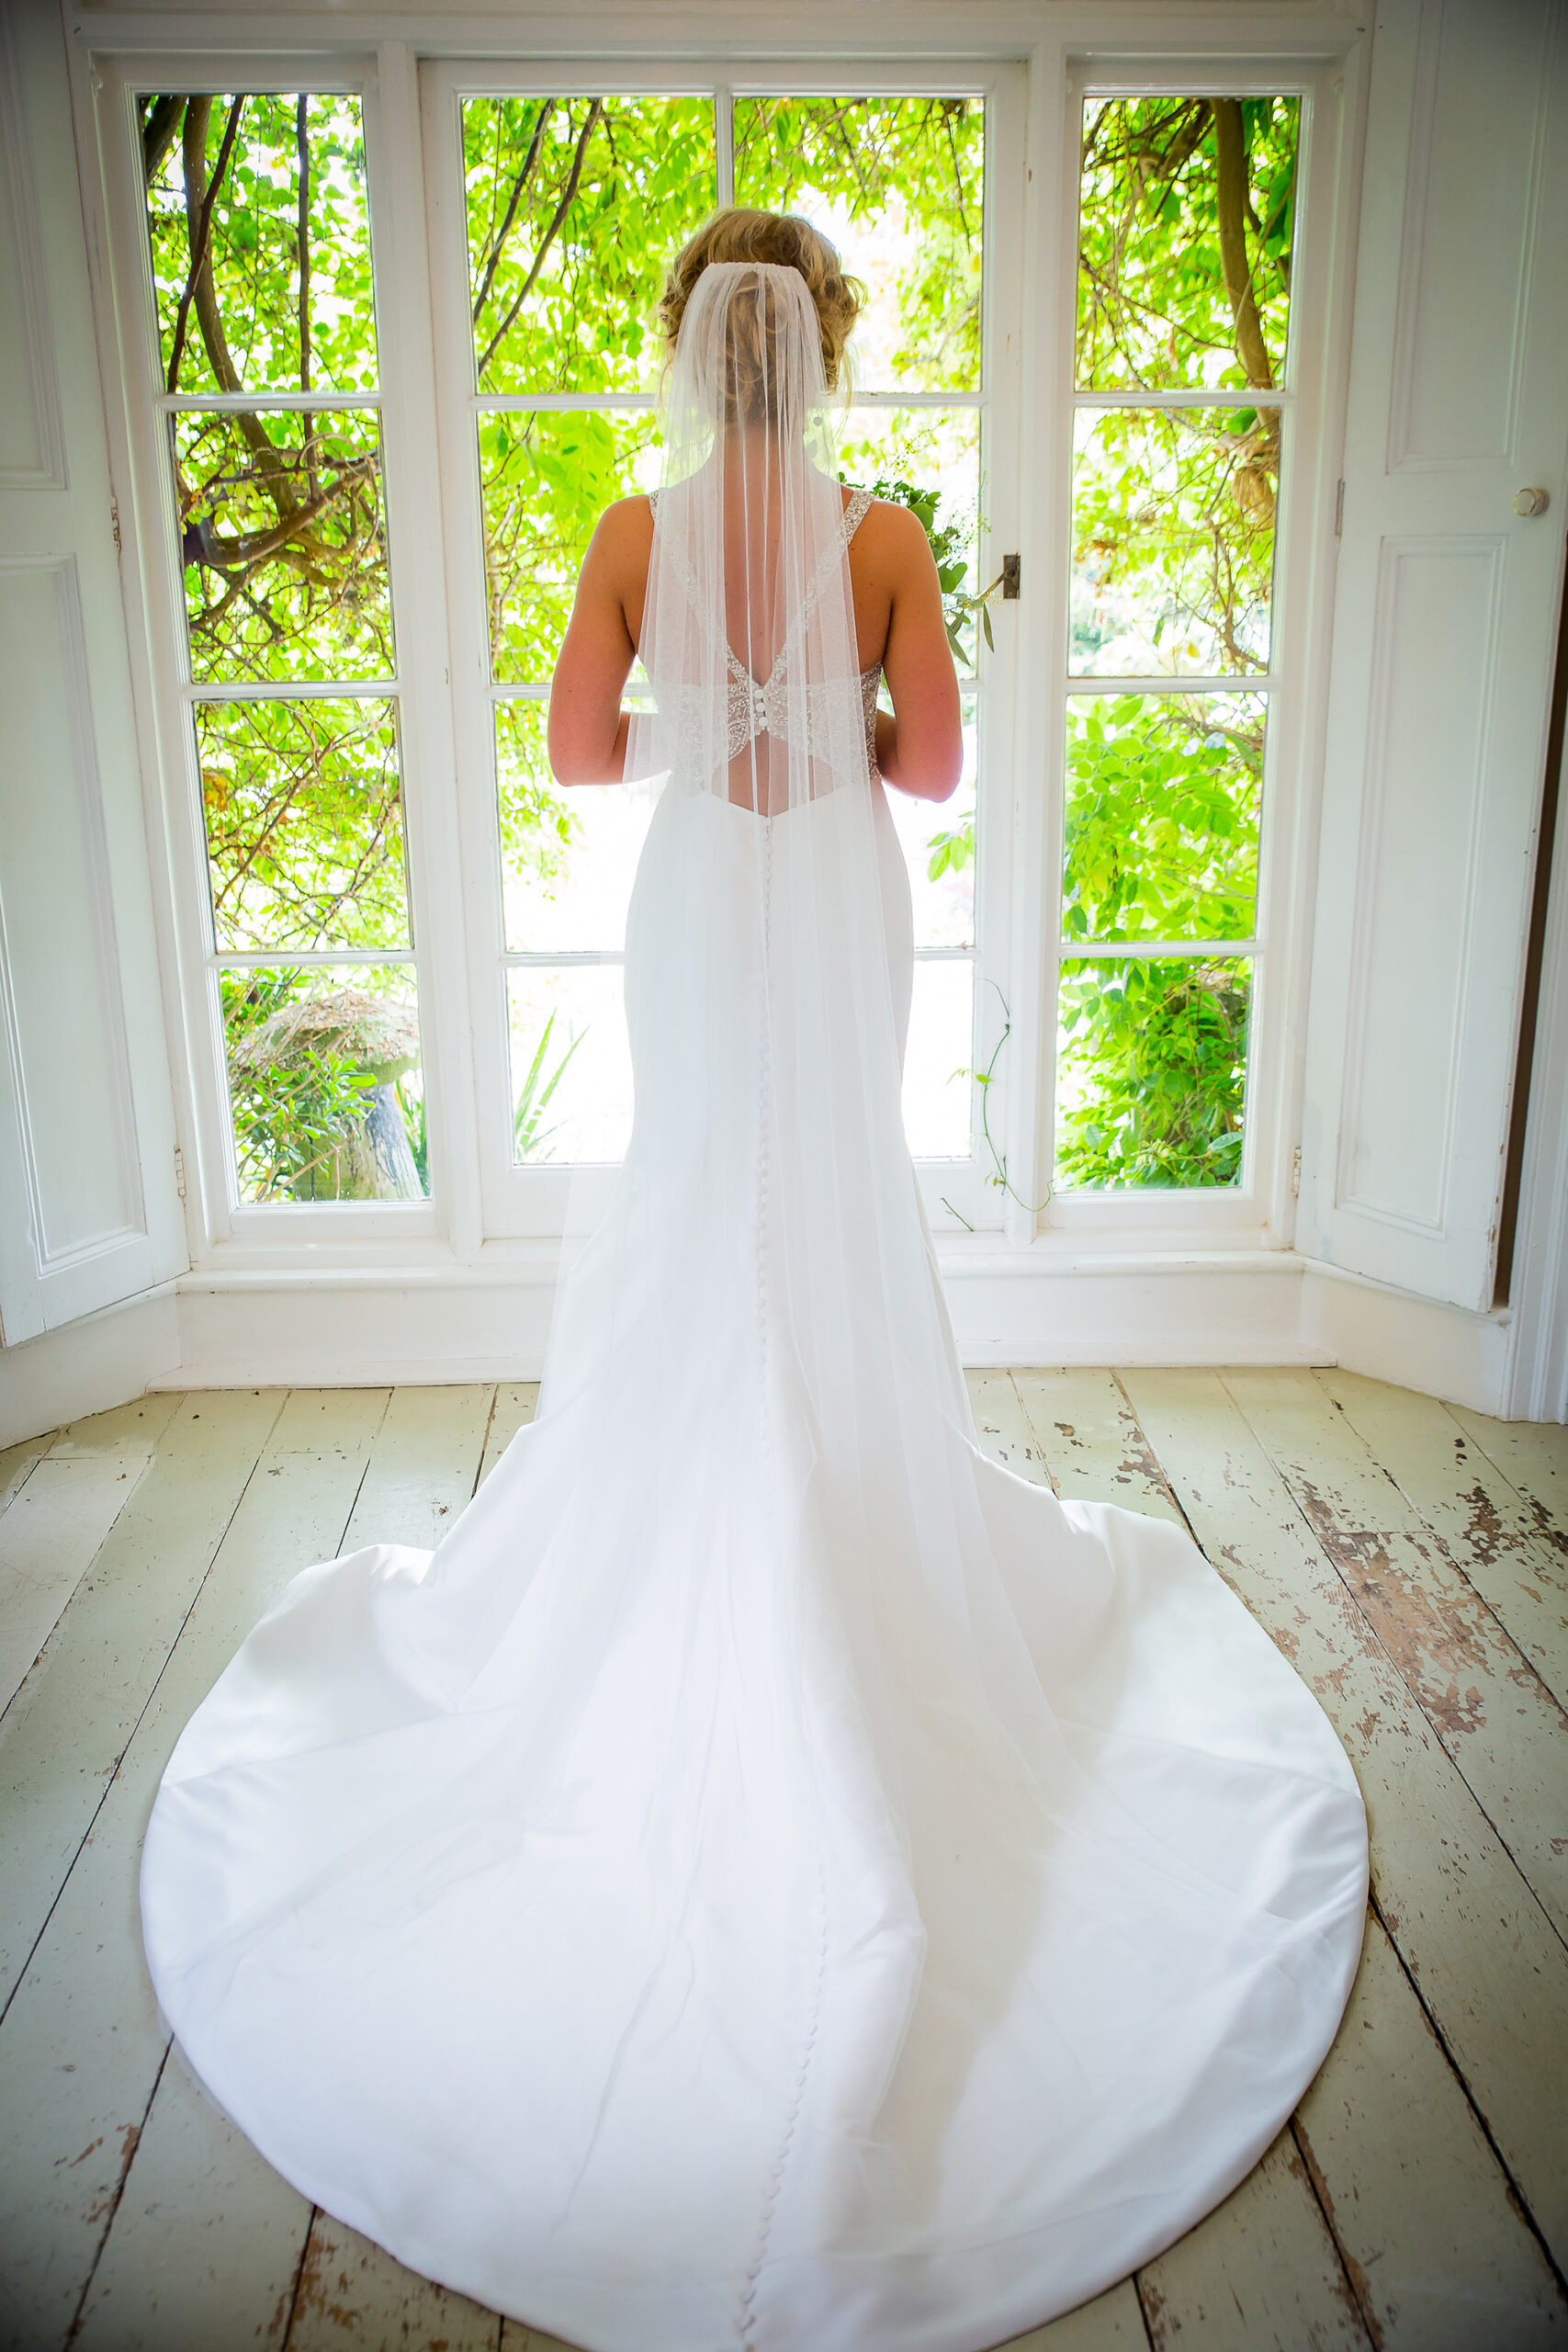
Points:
[(1447, 1351), (368, 1327), (88, 1366)]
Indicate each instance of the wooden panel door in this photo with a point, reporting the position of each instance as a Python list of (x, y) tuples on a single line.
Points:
[(1445, 632), (89, 1207)]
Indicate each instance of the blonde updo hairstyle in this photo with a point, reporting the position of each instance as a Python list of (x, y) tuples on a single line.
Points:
[(741, 234)]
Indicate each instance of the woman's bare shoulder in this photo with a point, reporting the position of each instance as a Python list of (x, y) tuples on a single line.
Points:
[(891, 538), (625, 522)]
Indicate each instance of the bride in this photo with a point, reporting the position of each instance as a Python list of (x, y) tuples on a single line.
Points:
[(772, 1880)]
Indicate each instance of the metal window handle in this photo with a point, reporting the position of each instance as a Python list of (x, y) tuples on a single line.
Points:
[(1531, 502)]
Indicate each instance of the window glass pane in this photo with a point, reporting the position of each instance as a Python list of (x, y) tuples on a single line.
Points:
[(571, 1071), (568, 859), (938, 837), (284, 546), (304, 824), (932, 456), (1150, 1071), (939, 1059), (325, 1086), (1187, 211), (282, 299), (1173, 541), (1163, 799), (898, 185), (546, 480), (574, 207)]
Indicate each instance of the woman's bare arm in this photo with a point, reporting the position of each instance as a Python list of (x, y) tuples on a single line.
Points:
[(588, 728), (921, 747)]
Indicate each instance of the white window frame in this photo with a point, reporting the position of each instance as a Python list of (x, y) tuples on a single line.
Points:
[(221, 1221), (531, 1201), (1037, 73), (1259, 1206)]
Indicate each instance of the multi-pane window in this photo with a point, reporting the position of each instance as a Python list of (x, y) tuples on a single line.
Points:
[(266, 324), (1187, 217), (572, 206)]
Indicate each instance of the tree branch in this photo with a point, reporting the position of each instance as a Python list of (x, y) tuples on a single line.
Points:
[(1230, 149), (158, 128), (302, 244), (270, 459), (518, 185), (201, 231), (546, 240)]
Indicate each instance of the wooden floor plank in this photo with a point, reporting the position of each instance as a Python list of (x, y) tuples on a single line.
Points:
[(423, 1466), (513, 1408), (1490, 1968), (1002, 1425), (346, 1420), (49, 1536), (1329, 1466), (1533, 1457), (1439, 2257), (1258, 2274), (1112, 2323), (204, 2272), (1484, 1524), (17, 1464), (351, 2293), (1498, 1719), (141, 1423), (1495, 1718), (65, 1731), (1092, 1446), (82, 2043)]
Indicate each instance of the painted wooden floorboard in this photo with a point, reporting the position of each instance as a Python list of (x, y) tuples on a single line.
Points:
[(110, 1450), (1258, 2274), (1002, 1425), (49, 1536), (1437, 2253), (1487, 1962), (1533, 1457), (1498, 1721), (352, 2295), (423, 1466), (1484, 1524), (141, 1423), (15, 1466), (66, 1730), (1112, 2323), (82, 2044), (206, 2243), (1092, 1443), (513, 1408)]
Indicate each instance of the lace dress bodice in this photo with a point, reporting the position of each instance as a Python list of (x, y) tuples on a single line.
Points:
[(761, 706)]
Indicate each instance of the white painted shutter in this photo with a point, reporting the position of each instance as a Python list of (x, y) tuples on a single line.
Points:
[(89, 1209), (1445, 631)]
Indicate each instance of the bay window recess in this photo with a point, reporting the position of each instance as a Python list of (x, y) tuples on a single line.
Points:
[(361, 901)]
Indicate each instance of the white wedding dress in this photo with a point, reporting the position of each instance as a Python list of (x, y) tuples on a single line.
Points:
[(772, 1881)]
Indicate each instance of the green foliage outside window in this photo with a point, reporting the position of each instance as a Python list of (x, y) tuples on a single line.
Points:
[(261, 259)]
